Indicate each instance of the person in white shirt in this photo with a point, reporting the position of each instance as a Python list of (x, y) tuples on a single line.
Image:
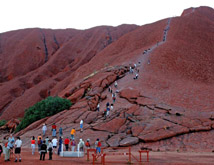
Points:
[(18, 145), (44, 129), (54, 141), (81, 125)]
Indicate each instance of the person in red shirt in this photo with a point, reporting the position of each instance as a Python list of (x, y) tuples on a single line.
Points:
[(54, 130), (66, 142), (33, 145)]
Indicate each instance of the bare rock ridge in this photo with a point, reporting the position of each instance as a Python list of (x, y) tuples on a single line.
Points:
[(169, 107)]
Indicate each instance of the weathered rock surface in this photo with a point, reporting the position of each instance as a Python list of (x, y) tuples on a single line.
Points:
[(169, 107)]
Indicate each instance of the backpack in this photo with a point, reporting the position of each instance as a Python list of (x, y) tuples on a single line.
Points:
[(99, 144), (39, 142)]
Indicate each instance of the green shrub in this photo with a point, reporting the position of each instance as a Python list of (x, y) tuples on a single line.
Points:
[(2, 122), (42, 109)]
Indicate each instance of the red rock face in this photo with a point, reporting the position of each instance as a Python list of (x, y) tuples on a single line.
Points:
[(169, 107)]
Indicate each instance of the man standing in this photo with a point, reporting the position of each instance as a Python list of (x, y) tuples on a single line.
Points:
[(66, 141), (50, 149), (98, 145), (7, 150), (18, 145), (43, 151), (54, 141), (44, 129)]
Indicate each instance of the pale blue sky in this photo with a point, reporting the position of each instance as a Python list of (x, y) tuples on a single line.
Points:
[(84, 14)]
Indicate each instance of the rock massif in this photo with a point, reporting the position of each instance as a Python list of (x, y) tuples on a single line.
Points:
[(169, 107)]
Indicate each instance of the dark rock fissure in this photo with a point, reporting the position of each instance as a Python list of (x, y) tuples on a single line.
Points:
[(45, 46), (56, 42)]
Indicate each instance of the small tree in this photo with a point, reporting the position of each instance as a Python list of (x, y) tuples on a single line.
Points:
[(47, 107), (2, 122)]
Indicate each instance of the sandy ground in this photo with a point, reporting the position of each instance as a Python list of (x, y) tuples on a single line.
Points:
[(156, 158)]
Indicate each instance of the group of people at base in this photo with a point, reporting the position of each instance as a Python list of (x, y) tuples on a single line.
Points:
[(11, 146)]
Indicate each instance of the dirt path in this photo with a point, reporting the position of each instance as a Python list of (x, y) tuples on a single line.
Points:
[(156, 158)]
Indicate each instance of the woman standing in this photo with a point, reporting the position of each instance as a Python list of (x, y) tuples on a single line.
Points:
[(33, 145)]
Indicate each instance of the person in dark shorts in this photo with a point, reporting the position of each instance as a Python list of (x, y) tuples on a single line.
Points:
[(18, 145)]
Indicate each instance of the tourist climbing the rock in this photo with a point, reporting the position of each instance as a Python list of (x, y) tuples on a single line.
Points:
[(109, 88), (39, 142), (81, 145), (112, 107), (81, 125), (97, 146), (136, 76), (107, 104), (50, 149), (54, 142), (108, 111), (43, 151), (135, 65), (54, 130), (98, 107), (60, 145), (130, 70), (66, 142), (33, 145), (115, 84), (105, 113), (60, 131), (44, 129), (114, 97), (18, 145), (73, 144), (73, 132), (46, 141)]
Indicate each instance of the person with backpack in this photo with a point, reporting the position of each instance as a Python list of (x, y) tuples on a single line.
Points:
[(98, 146), (39, 144), (4, 141), (9, 147), (50, 149), (66, 142), (18, 145), (73, 144), (87, 144), (54, 130), (33, 145), (43, 151)]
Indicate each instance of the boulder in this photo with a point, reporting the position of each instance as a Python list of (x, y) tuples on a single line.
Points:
[(111, 126), (129, 141), (129, 94), (77, 95)]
